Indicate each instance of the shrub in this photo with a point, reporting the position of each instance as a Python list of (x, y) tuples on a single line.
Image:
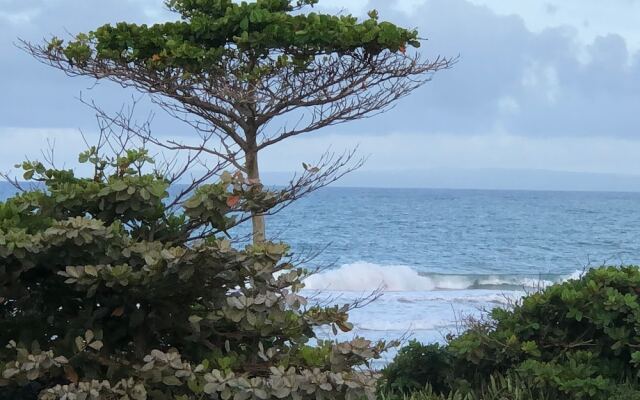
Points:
[(495, 388), (579, 339), (108, 292), (412, 364)]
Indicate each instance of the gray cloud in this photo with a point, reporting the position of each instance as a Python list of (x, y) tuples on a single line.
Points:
[(35, 95), (508, 79), (551, 9), (513, 80)]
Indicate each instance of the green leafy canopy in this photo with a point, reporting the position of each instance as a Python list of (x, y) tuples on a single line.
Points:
[(211, 32)]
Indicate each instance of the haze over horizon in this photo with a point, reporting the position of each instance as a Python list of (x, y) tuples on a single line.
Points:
[(545, 95)]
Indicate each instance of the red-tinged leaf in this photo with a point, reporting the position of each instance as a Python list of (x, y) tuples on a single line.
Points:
[(403, 49), (118, 312), (71, 374), (232, 201)]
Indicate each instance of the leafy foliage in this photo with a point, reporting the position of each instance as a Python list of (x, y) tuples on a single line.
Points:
[(106, 292), (212, 32), (412, 364), (496, 388), (578, 340)]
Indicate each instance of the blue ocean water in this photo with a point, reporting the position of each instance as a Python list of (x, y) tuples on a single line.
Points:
[(466, 231), (439, 255)]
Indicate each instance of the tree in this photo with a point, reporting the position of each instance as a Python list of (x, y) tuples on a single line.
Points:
[(108, 291), (252, 74)]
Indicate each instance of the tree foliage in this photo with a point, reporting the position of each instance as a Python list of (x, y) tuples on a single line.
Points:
[(106, 293), (577, 340), (213, 32), (247, 75)]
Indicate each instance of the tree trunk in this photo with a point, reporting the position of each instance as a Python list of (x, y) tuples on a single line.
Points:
[(253, 172)]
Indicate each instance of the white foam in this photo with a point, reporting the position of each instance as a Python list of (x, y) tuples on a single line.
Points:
[(462, 297), (575, 275), (364, 276), (414, 325), (519, 281), (425, 307)]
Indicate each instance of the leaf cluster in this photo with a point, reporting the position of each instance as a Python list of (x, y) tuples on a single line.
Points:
[(578, 339), (258, 36), (107, 292)]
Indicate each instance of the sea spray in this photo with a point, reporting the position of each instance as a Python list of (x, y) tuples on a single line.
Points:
[(364, 276)]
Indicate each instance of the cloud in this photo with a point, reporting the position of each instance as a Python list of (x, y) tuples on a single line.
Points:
[(551, 9), (19, 144), (497, 161), (509, 79), (35, 95), (402, 151), (519, 97), (19, 17), (591, 18), (551, 83)]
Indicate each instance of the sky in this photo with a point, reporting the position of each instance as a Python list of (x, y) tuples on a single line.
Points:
[(546, 94)]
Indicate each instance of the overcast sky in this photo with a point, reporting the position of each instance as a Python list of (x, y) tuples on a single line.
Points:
[(540, 85)]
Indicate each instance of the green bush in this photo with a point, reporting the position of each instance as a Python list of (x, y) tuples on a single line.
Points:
[(109, 292), (495, 388), (412, 364), (580, 339)]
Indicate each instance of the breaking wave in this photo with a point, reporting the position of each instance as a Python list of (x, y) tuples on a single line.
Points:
[(363, 276)]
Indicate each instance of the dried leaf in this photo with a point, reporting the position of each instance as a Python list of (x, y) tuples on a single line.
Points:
[(71, 374), (118, 312), (232, 201)]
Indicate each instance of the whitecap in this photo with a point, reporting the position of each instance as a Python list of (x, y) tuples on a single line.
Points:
[(365, 276)]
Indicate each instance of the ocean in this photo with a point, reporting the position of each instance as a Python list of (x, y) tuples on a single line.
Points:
[(442, 255)]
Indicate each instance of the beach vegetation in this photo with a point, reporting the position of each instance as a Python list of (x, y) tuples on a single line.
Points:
[(574, 340), (109, 289)]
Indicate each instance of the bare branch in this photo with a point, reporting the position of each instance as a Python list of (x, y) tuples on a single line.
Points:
[(333, 89)]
